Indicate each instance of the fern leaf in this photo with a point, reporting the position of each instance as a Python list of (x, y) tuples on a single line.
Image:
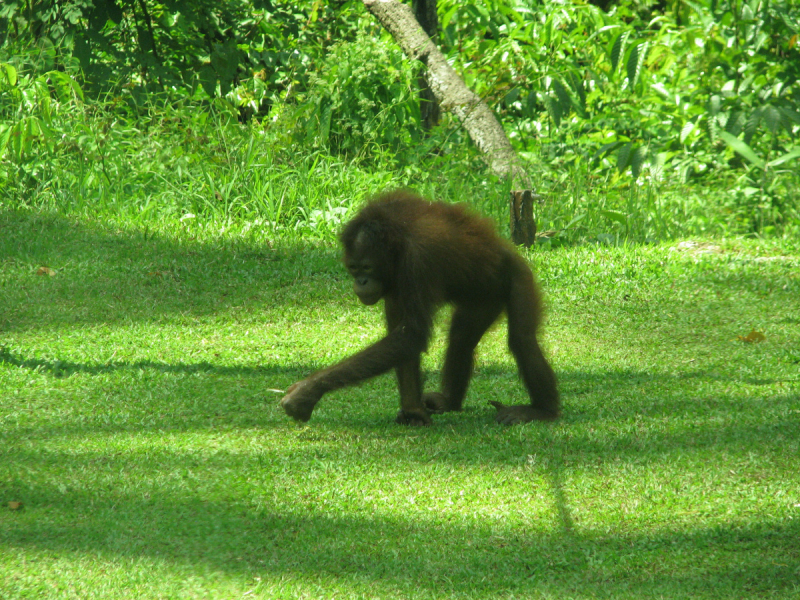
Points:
[(553, 109), (564, 99), (635, 62), (686, 131), (772, 117), (624, 157), (618, 49)]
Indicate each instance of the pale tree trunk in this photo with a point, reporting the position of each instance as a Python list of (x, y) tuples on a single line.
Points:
[(450, 91)]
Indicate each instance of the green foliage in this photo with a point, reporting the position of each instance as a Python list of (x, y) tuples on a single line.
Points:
[(637, 123), (29, 109), (172, 161), (252, 53), (362, 97), (637, 92)]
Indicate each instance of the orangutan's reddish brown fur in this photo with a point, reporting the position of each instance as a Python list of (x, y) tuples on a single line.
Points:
[(417, 255)]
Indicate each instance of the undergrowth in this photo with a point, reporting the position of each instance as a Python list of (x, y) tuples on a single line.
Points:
[(177, 164)]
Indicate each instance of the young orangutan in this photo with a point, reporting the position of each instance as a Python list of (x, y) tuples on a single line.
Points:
[(417, 255)]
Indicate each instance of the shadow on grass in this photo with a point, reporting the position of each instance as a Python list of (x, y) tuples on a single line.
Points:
[(381, 555), (371, 553), (581, 382), (105, 275), (66, 368), (202, 397)]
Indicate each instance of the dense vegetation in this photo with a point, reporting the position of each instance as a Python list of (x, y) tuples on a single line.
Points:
[(644, 121)]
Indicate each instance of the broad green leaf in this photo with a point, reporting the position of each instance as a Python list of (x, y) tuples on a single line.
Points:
[(10, 73), (637, 160), (5, 133), (741, 148), (791, 155), (448, 16), (686, 131), (65, 86), (614, 215), (728, 87), (17, 137), (48, 135), (44, 110)]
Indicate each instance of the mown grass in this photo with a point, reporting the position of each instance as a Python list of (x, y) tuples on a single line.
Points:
[(139, 431)]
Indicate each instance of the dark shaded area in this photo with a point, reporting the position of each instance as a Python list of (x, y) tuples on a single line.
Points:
[(202, 396), (428, 18), (141, 276), (255, 538), (136, 275), (66, 368), (579, 382), (145, 47)]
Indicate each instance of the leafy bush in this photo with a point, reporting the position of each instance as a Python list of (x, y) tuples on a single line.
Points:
[(216, 46), (638, 123), (29, 110), (364, 95), (705, 88)]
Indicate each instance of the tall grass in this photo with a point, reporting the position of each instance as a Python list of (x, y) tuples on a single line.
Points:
[(178, 164)]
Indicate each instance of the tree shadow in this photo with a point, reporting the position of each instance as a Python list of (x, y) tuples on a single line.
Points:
[(382, 554), (66, 368), (101, 274), (273, 532), (140, 276), (157, 396)]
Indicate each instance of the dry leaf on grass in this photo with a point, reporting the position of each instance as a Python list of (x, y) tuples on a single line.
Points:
[(754, 337)]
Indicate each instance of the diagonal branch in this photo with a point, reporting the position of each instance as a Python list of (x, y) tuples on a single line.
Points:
[(450, 91)]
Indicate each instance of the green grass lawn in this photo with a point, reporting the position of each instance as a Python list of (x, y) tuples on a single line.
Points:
[(139, 431)]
